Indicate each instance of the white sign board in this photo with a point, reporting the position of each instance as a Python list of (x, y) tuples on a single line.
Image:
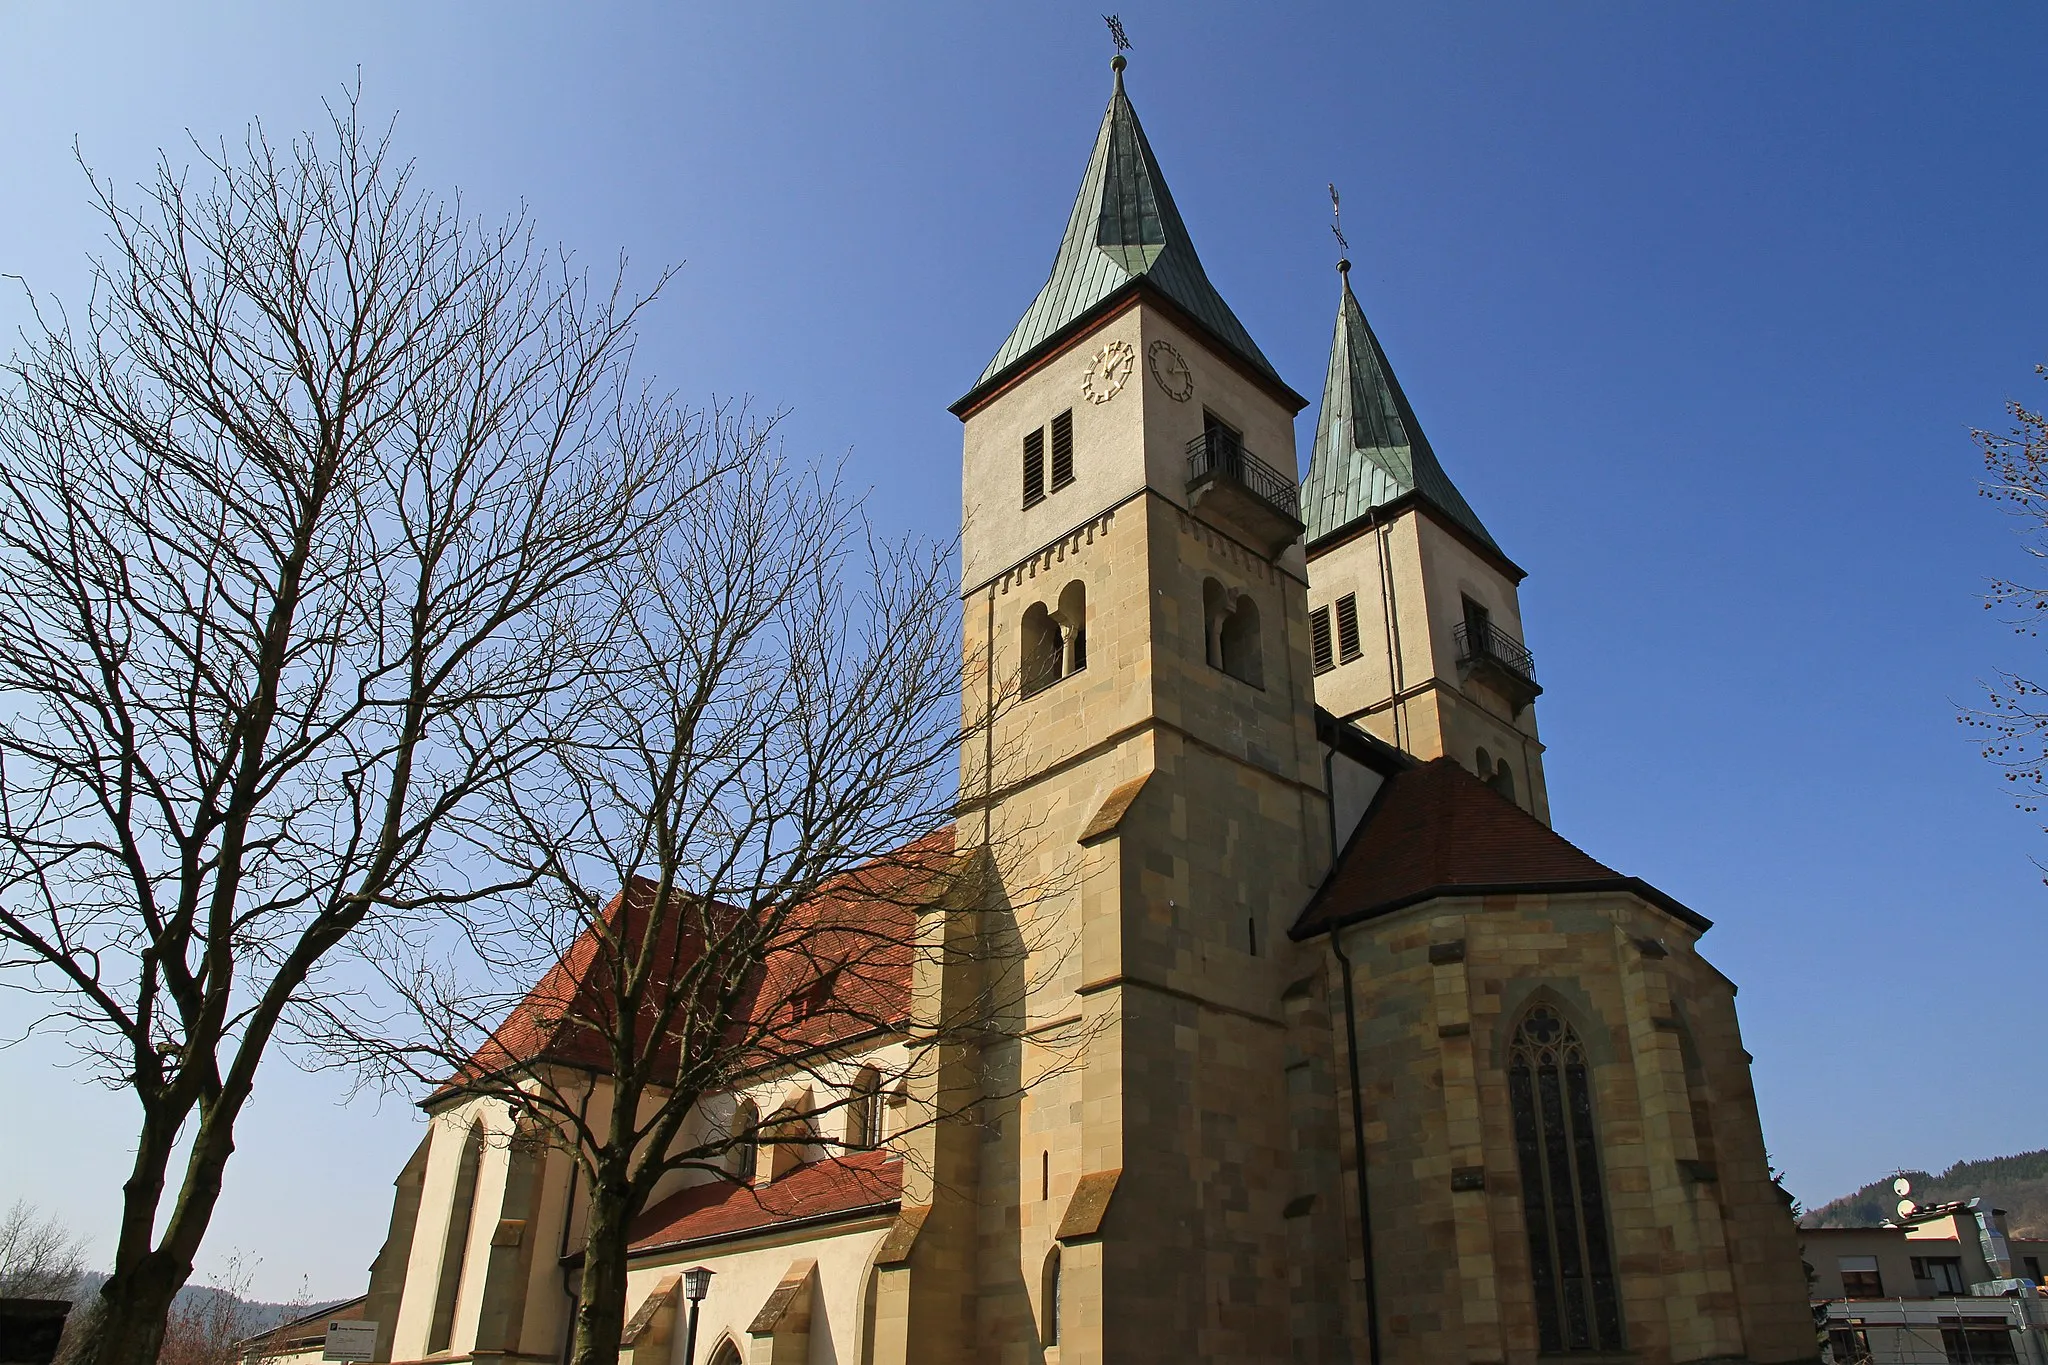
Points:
[(350, 1339)]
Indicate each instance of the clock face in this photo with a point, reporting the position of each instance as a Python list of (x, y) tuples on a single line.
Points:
[(1109, 371), (1170, 369)]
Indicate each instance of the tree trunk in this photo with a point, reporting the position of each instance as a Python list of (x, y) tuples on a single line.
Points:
[(125, 1324), (601, 1307)]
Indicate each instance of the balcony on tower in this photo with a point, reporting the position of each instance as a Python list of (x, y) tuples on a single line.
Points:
[(1228, 481), (1492, 656)]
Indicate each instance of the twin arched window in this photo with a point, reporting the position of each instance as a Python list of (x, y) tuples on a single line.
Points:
[(1054, 643), (1563, 1202), (1230, 633), (1495, 774)]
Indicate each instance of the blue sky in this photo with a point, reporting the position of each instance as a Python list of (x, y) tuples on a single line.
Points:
[(1696, 304)]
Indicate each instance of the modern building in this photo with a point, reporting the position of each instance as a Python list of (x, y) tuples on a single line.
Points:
[(1380, 1067), (1944, 1285)]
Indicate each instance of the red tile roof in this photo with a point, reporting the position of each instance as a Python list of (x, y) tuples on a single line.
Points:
[(838, 965), (1436, 830), (859, 1182)]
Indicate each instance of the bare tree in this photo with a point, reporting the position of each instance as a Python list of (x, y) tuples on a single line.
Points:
[(2014, 720), (292, 519), (742, 853), (39, 1257)]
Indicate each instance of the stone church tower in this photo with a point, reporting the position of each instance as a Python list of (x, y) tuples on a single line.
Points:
[(1327, 1047), (1134, 576)]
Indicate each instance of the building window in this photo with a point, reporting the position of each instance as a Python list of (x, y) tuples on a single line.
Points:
[(1978, 1341), (1347, 628), (1230, 629), (1849, 1346), (1578, 1307), (1044, 1176), (1944, 1273), (864, 1111), (745, 1154), (1073, 623), (1034, 467), (2032, 1265), (1062, 450), (1319, 639), (1049, 1298), (1860, 1279), (1504, 779), (1042, 649)]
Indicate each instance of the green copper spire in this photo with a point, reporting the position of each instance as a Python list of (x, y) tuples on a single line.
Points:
[(1124, 227), (1369, 448)]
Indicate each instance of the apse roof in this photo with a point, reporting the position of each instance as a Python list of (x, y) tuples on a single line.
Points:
[(1436, 830), (1124, 228), (1369, 449)]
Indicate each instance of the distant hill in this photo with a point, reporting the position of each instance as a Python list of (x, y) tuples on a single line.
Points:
[(254, 1316), (2017, 1184)]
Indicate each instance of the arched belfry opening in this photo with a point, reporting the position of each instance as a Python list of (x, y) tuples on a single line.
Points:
[(1564, 1198), (1230, 632)]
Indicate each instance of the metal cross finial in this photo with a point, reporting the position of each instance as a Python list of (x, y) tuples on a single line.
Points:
[(1337, 229), (1116, 32)]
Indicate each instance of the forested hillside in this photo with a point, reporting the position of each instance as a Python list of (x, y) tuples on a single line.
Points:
[(2017, 1184)]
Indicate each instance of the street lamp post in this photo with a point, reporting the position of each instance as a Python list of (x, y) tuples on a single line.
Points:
[(696, 1284)]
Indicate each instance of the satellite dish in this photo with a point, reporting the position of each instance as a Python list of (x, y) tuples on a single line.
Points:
[(1902, 1187), (1905, 1206)]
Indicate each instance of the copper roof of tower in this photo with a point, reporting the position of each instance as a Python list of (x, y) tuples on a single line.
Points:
[(1369, 449), (1124, 228)]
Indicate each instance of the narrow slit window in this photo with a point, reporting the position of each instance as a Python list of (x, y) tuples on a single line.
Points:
[(1347, 628), (1319, 639), (1062, 450), (1251, 935), (1045, 1175), (1034, 467)]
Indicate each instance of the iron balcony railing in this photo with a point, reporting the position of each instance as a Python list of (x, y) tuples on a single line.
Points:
[(1479, 640), (1217, 451)]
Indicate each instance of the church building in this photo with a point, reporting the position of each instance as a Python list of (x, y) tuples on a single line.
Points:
[(1379, 1067)]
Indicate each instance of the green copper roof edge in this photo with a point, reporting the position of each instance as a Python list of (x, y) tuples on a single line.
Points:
[(1388, 511), (1113, 302), (1124, 226), (1347, 480)]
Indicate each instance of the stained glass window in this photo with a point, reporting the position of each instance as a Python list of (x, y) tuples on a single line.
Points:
[(1550, 1090)]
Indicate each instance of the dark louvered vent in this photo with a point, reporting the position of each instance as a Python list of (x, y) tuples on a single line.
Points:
[(1347, 628), (1063, 450), (1319, 637), (1034, 467)]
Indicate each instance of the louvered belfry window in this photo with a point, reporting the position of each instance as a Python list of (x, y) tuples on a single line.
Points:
[(1550, 1091), (1319, 639), (1063, 450), (1034, 467), (1347, 627)]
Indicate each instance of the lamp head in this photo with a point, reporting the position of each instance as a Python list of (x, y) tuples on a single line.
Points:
[(696, 1283)]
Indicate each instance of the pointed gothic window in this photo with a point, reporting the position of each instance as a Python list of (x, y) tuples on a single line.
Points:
[(1049, 1298), (1550, 1090)]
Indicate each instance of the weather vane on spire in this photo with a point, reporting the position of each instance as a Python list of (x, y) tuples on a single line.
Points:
[(1117, 36), (1337, 229)]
